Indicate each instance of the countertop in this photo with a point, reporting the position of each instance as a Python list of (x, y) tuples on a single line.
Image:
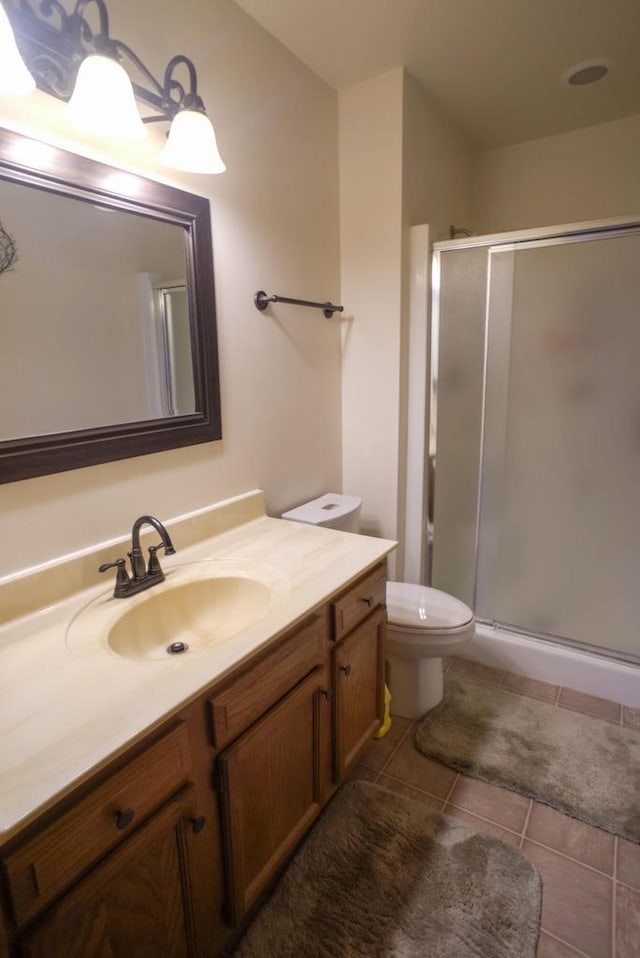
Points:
[(65, 712)]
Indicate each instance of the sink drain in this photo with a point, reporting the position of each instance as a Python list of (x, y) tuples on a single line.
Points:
[(177, 647)]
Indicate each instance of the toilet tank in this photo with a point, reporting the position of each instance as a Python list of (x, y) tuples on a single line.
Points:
[(332, 511)]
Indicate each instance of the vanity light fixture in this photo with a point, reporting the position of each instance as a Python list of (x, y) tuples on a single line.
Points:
[(15, 79), (191, 143), (70, 60), (102, 101)]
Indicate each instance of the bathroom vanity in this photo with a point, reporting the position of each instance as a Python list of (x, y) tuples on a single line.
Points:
[(184, 785)]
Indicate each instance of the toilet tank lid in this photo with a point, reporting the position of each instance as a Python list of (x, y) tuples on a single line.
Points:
[(325, 509), (421, 607)]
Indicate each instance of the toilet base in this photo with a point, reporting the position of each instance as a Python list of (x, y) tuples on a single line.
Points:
[(416, 685)]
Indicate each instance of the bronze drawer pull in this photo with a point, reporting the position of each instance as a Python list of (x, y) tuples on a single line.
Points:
[(124, 817), (368, 600), (197, 824), (346, 669), (328, 694)]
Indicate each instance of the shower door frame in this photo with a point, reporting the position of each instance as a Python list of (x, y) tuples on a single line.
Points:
[(507, 242)]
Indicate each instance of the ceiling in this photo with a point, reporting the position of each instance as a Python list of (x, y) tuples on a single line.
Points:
[(493, 67)]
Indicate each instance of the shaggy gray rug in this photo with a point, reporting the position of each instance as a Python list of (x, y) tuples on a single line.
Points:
[(381, 877), (587, 768)]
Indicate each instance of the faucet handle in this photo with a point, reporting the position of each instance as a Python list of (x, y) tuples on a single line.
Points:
[(122, 576), (153, 568)]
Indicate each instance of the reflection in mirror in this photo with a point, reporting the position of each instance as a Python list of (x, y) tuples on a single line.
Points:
[(170, 317), (107, 311), (82, 337)]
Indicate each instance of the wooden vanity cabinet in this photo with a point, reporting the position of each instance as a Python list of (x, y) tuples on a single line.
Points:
[(168, 848)]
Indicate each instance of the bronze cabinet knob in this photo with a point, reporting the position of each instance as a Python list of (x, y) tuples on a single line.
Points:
[(124, 817)]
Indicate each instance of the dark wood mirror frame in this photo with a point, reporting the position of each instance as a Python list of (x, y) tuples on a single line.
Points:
[(75, 176)]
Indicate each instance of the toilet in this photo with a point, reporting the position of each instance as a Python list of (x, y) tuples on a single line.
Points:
[(424, 624)]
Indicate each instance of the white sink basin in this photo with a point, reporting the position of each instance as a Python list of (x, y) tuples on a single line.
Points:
[(198, 606)]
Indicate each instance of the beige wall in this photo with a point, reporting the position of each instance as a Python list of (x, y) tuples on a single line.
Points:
[(400, 164), (582, 175), (437, 166), (275, 226), (371, 248)]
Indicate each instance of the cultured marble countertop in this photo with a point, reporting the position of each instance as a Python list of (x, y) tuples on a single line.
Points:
[(65, 712)]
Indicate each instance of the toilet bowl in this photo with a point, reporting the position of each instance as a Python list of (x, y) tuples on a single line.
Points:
[(424, 624)]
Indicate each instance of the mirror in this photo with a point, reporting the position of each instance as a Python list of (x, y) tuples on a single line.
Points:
[(108, 313)]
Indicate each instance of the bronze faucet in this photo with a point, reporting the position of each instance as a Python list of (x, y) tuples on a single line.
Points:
[(142, 577)]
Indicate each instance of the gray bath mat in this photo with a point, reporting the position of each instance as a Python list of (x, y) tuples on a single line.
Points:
[(382, 877), (584, 767)]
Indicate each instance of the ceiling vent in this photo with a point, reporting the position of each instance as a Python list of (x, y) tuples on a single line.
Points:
[(589, 71)]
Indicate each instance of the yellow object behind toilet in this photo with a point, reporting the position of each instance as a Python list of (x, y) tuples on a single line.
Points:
[(386, 722)]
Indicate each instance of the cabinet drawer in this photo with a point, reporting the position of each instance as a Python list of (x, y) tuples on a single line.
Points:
[(235, 707), (52, 860), (356, 604)]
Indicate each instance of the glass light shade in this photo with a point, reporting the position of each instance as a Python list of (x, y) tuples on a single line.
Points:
[(191, 145), (103, 100), (15, 79)]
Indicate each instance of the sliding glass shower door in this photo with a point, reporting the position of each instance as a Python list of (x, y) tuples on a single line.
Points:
[(557, 523)]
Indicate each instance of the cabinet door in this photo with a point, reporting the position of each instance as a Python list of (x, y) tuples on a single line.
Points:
[(272, 788), (135, 904), (359, 690), (54, 860)]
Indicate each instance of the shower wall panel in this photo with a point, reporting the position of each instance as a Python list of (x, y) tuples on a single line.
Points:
[(557, 550), (460, 316)]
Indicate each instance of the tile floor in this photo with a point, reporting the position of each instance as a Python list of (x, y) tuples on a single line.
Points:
[(591, 894)]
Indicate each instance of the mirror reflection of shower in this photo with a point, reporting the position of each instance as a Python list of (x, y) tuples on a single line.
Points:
[(172, 304), (164, 311)]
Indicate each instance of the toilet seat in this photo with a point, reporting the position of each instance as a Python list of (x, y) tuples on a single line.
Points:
[(425, 622), (419, 609)]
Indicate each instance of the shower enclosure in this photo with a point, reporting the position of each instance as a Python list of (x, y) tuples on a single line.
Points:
[(536, 411)]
